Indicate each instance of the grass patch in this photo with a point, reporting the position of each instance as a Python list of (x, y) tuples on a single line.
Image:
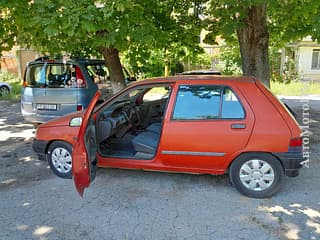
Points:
[(15, 83), (295, 88)]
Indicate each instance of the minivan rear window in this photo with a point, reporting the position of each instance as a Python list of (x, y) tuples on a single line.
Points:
[(55, 76), (59, 75)]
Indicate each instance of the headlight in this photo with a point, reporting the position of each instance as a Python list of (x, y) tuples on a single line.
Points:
[(75, 122)]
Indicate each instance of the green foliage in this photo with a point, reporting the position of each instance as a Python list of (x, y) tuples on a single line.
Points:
[(82, 27), (287, 20), (232, 61), (292, 20), (7, 29), (152, 63), (153, 33), (289, 68)]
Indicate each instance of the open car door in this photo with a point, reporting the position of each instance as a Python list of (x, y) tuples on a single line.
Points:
[(84, 160)]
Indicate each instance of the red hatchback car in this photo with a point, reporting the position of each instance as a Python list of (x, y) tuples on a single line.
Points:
[(191, 124)]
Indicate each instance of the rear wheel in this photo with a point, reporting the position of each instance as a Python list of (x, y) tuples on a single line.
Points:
[(257, 175), (60, 159)]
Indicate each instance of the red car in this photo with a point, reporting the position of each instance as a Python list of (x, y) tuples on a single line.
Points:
[(191, 124)]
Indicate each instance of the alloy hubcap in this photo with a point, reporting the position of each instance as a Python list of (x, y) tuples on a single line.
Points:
[(4, 91), (256, 175), (62, 160)]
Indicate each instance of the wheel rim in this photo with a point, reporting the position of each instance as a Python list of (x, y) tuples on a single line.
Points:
[(256, 175), (4, 91), (61, 160)]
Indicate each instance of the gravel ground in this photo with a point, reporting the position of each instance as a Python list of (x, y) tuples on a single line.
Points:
[(123, 204)]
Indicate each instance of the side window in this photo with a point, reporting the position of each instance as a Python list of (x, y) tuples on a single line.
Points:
[(197, 102), (99, 73), (207, 102), (156, 93), (231, 107)]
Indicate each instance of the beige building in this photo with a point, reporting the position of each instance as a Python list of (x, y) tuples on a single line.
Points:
[(306, 58)]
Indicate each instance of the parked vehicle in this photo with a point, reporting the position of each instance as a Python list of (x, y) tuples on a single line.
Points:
[(5, 88), (55, 87), (191, 124)]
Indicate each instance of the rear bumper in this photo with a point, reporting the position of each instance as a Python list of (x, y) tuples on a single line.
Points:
[(39, 147), (291, 162)]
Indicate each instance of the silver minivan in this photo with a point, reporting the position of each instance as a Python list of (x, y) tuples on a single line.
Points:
[(56, 87)]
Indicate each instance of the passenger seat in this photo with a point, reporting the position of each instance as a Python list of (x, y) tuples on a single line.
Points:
[(154, 127), (146, 142)]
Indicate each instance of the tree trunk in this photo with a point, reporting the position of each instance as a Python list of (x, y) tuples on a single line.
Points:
[(253, 39), (111, 57)]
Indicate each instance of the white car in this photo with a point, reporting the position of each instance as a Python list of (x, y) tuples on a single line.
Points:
[(5, 88)]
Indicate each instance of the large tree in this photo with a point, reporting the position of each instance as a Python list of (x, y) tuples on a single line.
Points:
[(257, 22), (101, 27)]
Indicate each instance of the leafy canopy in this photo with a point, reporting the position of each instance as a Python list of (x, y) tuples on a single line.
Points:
[(84, 26), (288, 20)]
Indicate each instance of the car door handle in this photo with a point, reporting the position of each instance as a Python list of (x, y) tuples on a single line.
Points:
[(238, 126)]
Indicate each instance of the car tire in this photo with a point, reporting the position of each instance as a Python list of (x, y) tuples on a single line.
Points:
[(257, 175), (4, 91), (59, 157)]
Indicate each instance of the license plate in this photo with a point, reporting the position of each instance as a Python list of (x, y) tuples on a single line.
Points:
[(49, 107)]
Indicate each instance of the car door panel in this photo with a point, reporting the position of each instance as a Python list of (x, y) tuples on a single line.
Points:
[(84, 161), (206, 143)]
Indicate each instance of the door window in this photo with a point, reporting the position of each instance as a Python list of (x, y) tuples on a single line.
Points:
[(196, 102), (156, 93), (231, 106)]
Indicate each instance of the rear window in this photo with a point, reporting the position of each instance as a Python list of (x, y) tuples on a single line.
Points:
[(55, 76), (58, 75)]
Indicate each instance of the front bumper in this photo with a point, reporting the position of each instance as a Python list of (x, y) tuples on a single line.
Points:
[(39, 147), (291, 162)]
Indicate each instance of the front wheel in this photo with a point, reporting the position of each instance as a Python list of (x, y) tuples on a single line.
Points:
[(4, 91), (257, 175), (60, 159)]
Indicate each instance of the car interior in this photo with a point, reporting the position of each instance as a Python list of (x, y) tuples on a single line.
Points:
[(130, 127)]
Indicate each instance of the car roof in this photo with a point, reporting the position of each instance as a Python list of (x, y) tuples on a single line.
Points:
[(85, 61), (196, 78)]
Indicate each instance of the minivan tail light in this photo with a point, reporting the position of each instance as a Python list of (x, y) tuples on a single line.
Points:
[(296, 142), (80, 79), (79, 107)]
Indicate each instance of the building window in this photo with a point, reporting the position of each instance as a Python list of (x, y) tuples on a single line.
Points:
[(315, 59)]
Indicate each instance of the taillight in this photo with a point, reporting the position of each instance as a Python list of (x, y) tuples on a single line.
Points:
[(79, 107), (24, 84), (80, 79), (296, 142)]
